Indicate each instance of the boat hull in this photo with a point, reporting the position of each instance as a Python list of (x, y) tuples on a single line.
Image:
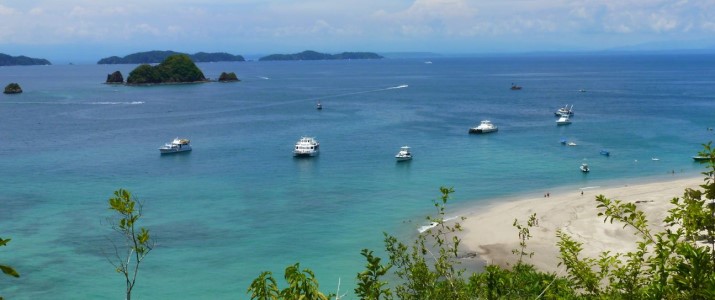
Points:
[(174, 150), (403, 158), (305, 154), (701, 158), (480, 131)]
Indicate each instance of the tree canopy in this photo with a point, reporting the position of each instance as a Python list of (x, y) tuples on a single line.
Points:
[(174, 69)]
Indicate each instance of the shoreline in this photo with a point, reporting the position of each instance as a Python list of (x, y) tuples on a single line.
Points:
[(488, 230)]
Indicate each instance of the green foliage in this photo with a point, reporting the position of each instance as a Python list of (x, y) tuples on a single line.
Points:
[(12, 88), (137, 239), (677, 263), (174, 69), (524, 236), (225, 77), (7, 269), (369, 285), (301, 285)]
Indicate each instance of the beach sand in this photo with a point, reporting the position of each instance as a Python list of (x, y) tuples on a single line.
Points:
[(489, 232)]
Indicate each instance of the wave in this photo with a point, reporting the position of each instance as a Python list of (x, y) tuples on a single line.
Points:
[(116, 103), (431, 225)]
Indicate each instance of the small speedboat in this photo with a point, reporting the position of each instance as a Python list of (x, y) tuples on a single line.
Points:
[(319, 106), (177, 145), (485, 126), (563, 120), (605, 152), (571, 144), (515, 87), (404, 154), (306, 147), (701, 158), (584, 168), (566, 110)]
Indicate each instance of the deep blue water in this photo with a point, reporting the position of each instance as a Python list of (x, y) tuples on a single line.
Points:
[(240, 204)]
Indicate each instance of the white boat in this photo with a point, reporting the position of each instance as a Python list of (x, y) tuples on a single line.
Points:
[(584, 168), (563, 120), (319, 106), (177, 145), (404, 154), (306, 147), (571, 144), (485, 126), (566, 110)]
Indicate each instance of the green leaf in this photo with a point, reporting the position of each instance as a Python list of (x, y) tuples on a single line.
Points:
[(9, 271)]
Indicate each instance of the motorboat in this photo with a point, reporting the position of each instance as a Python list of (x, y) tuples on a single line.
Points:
[(404, 154), (605, 152), (563, 141), (584, 168), (515, 87), (563, 120), (485, 126), (571, 144), (582, 91), (566, 110), (319, 106), (306, 147), (177, 145), (701, 158)]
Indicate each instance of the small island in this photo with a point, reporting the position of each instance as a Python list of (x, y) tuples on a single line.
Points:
[(177, 68), (115, 78), (7, 60), (153, 57), (312, 55), (228, 77), (13, 88)]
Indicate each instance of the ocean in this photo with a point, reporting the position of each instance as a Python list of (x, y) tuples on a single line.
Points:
[(240, 204)]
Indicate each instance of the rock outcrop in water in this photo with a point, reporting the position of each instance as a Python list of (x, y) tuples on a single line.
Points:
[(115, 77), (13, 88), (174, 69), (228, 77)]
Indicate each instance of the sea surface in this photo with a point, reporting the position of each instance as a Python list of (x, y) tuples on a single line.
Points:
[(240, 204)]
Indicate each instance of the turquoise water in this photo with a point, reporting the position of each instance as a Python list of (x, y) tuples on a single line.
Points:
[(240, 204)]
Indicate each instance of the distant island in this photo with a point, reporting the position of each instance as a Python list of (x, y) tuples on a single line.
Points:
[(312, 55), (153, 57), (7, 60), (177, 68)]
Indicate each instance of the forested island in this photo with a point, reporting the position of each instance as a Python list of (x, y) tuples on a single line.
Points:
[(152, 57), (313, 55), (7, 60), (177, 68)]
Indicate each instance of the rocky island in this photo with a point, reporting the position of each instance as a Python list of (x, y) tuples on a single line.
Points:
[(178, 68), (13, 88), (312, 55), (153, 57), (7, 60), (115, 77), (228, 77)]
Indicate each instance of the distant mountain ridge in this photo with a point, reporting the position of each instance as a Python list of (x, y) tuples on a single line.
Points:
[(313, 55), (153, 57), (7, 60)]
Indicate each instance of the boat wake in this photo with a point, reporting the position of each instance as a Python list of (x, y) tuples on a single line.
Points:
[(263, 77), (397, 87), (116, 103)]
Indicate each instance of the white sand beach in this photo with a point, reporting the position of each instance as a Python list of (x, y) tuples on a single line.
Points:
[(489, 232)]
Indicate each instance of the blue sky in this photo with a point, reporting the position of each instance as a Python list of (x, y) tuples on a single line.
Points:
[(91, 29)]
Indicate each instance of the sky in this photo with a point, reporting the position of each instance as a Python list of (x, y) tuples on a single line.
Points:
[(87, 30)]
